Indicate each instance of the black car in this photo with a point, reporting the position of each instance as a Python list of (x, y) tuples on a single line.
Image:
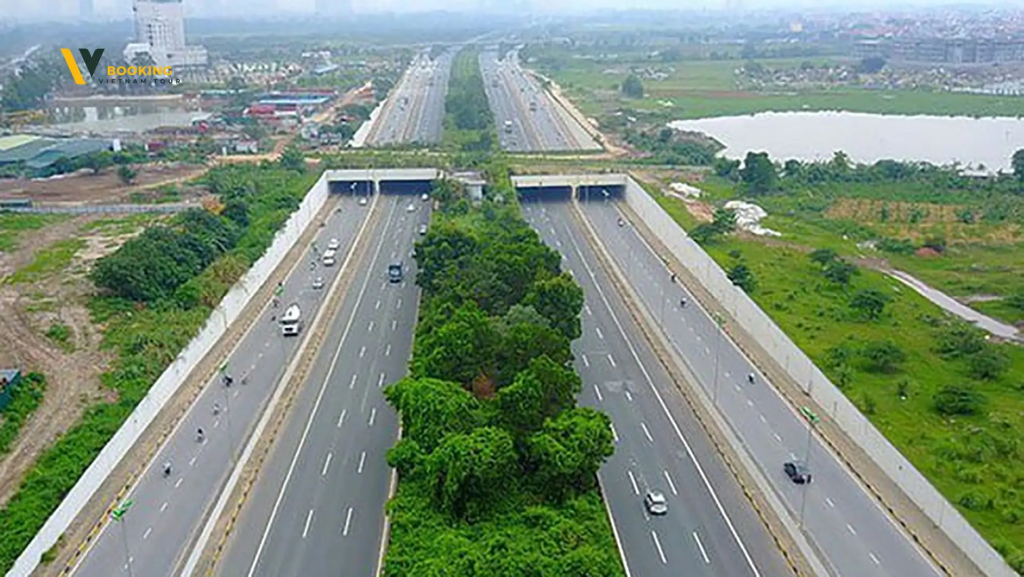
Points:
[(797, 472)]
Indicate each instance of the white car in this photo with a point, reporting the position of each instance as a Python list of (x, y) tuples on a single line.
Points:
[(411, 208), (425, 197), (333, 244), (655, 503), (362, 201), (318, 283)]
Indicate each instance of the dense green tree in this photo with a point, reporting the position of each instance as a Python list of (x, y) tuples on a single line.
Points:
[(127, 174), (1017, 162), (466, 470), (883, 356), (954, 400), (758, 173), (632, 87), (98, 161), (726, 168), (430, 409), (406, 456), (823, 256), (869, 302), (525, 341), (542, 391), (840, 271), (560, 300), (465, 347), (569, 449), (237, 211), (293, 159), (743, 277)]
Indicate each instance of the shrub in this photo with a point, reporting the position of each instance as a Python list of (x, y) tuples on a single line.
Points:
[(883, 356), (958, 400), (989, 363), (741, 276)]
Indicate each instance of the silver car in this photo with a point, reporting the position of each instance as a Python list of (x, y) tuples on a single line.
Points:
[(318, 283), (655, 503)]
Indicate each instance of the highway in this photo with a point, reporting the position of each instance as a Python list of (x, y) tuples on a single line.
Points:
[(710, 529), (526, 117), (161, 525), (415, 109), (318, 505), (850, 530)]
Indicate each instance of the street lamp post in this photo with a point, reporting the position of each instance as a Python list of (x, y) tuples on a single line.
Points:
[(718, 346), (812, 420), (231, 436), (118, 515)]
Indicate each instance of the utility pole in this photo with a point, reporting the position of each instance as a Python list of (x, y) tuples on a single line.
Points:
[(118, 515), (812, 420), (719, 321)]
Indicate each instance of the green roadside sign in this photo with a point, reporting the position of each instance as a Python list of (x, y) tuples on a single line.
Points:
[(119, 513)]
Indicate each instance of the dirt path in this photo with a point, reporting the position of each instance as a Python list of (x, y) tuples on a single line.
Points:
[(26, 312)]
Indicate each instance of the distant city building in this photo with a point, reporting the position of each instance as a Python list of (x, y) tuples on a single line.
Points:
[(957, 50), (160, 33)]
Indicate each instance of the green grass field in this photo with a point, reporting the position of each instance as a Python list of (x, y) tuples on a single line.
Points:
[(973, 460), (701, 89), (12, 225)]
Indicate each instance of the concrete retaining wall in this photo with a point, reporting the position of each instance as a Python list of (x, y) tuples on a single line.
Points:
[(813, 382), (171, 380)]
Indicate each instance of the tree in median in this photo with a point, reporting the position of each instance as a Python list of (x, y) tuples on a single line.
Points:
[(467, 470), (463, 348), (432, 409), (567, 452), (560, 300), (541, 391)]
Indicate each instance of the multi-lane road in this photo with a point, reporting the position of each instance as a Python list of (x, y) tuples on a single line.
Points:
[(852, 533), (318, 506), (415, 108), (527, 118), (710, 529), (164, 520)]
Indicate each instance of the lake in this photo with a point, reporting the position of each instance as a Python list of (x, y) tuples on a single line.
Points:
[(110, 120), (867, 138)]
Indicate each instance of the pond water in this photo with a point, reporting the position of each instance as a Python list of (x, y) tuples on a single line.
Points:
[(867, 138), (114, 119)]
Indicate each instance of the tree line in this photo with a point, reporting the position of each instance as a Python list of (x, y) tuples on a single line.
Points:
[(497, 464)]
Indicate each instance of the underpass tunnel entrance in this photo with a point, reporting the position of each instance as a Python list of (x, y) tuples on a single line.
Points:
[(592, 193), (544, 193), (406, 187), (350, 187)]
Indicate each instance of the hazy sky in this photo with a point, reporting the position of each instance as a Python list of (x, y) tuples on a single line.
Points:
[(48, 9)]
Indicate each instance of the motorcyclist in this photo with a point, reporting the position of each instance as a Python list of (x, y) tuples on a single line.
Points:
[(216, 408), (682, 303), (199, 435), (167, 468), (228, 380), (750, 378), (621, 222)]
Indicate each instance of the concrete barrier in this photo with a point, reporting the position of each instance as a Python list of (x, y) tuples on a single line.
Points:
[(167, 385), (815, 384)]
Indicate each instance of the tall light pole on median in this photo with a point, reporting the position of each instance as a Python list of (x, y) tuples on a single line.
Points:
[(719, 322), (812, 420), (118, 515)]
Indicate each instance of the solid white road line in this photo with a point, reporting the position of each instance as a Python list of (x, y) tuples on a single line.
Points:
[(341, 417), (664, 407), (327, 463), (305, 530), (647, 433), (598, 392), (362, 459), (373, 414), (657, 545), (671, 485), (700, 546), (348, 521), (632, 481)]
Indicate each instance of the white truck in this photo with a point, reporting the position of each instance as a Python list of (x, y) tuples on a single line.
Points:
[(291, 321), (508, 126)]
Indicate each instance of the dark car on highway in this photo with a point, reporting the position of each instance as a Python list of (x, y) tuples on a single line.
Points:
[(797, 471)]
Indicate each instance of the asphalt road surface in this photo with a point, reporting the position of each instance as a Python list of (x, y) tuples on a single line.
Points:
[(526, 117), (710, 529), (318, 506), (855, 536), (415, 108), (167, 510)]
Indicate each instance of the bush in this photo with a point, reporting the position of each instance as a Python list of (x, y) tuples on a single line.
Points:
[(743, 277), (958, 400), (883, 356), (989, 363)]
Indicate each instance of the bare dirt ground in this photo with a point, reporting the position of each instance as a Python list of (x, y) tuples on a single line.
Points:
[(27, 310), (85, 187)]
